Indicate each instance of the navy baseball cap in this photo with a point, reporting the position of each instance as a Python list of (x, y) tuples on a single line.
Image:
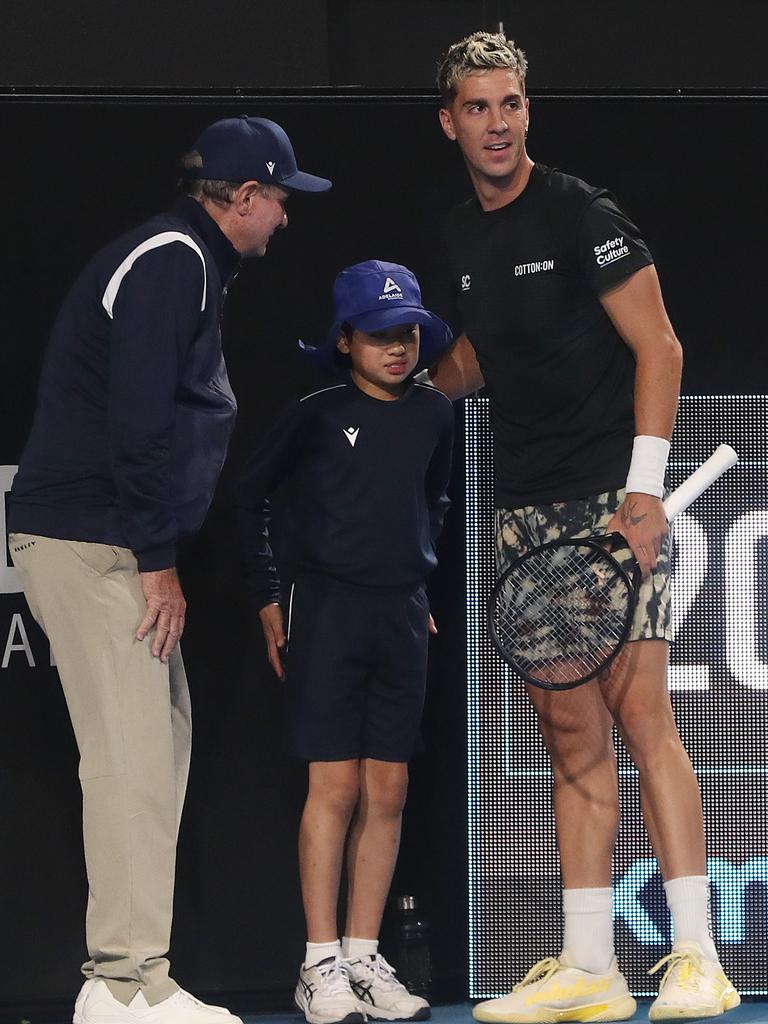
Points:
[(251, 149), (372, 296)]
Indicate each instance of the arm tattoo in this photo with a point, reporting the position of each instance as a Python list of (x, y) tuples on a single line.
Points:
[(627, 516)]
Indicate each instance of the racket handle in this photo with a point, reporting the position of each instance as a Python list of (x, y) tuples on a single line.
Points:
[(721, 459)]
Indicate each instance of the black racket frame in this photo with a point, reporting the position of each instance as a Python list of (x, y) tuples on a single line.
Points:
[(597, 542)]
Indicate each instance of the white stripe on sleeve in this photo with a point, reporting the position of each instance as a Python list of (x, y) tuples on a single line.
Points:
[(164, 238)]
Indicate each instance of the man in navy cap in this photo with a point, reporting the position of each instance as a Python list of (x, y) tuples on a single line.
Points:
[(130, 433)]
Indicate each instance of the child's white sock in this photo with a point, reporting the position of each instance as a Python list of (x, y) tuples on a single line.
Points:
[(353, 949), (317, 951), (588, 926), (688, 902)]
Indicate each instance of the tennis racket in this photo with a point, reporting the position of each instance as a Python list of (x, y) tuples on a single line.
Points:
[(561, 613)]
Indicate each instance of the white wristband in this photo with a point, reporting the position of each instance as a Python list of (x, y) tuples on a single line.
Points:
[(422, 377), (648, 465)]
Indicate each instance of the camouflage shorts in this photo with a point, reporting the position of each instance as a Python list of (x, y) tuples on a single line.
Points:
[(520, 529)]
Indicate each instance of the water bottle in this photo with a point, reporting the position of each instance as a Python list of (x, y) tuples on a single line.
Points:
[(414, 965)]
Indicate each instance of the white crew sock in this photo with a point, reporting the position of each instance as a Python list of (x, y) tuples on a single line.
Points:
[(688, 902), (588, 928), (353, 949), (317, 951)]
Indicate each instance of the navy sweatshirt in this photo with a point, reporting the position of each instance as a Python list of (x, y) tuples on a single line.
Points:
[(134, 406), (367, 481)]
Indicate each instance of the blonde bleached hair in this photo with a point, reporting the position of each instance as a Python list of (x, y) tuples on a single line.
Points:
[(481, 51)]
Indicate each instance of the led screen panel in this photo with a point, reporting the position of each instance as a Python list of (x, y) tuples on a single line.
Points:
[(719, 686)]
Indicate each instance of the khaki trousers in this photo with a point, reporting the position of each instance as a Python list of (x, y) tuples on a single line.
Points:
[(131, 717)]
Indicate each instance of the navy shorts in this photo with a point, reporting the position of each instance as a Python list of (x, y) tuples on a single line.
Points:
[(356, 669)]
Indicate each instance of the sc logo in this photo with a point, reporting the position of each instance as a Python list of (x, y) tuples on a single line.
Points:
[(465, 282)]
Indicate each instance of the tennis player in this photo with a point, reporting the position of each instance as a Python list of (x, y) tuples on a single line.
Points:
[(564, 323), (367, 462)]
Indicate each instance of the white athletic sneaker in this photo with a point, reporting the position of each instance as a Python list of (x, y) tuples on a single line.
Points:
[(692, 986), (324, 996), (77, 1016), (374, 983), (553, 991), (99, 1006), (211, 1007)]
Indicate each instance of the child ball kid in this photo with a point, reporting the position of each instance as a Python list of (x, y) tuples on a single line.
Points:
[(367, 463)]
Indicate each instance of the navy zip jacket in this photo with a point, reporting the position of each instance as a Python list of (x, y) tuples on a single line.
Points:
[(134, 407), (367, 482)]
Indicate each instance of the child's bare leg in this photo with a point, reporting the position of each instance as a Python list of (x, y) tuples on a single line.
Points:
[(334, 789), (373, 844)]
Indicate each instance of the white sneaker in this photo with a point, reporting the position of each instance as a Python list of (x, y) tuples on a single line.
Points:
[(77, 1016), (374, 983), (692, 986), (554, 991), (324, 996), (211, 1007), (99, 1006)]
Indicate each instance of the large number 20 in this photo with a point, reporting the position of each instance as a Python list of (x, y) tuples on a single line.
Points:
[(742, 611)]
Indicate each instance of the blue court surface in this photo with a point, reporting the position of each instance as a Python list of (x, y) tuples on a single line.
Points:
[(461, 1013)]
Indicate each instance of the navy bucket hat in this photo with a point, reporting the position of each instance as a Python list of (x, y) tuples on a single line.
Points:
[(372, 296), (246, 148)]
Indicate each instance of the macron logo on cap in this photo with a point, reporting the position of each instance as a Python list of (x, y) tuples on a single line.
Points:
[(270, 166)]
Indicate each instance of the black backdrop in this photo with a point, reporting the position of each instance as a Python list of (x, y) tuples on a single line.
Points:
[(594, 43), (77, 171)]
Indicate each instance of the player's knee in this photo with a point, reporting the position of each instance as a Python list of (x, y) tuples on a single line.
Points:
[(385, 791), (388, 804), (570, 744), (343, 799), (339, 792), (647, 736)]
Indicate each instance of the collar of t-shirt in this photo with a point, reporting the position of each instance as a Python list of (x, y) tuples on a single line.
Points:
[(391, 402), (225, 256), (535, 180)]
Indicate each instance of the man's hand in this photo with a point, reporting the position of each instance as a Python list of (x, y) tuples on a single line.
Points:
[(642, 521), (431, 625), (271, 616), (165, 611)]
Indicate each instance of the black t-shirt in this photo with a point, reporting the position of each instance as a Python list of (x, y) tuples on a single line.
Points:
[(367, 479), (560, 379)]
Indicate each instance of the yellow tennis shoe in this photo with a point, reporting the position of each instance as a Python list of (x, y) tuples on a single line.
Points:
[(553, 992), (692, 986)]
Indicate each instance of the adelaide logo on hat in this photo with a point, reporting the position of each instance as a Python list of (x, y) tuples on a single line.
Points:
[(391, 286), (362, 298)]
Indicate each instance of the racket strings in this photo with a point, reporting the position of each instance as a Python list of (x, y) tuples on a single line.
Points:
[(560, 614)]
